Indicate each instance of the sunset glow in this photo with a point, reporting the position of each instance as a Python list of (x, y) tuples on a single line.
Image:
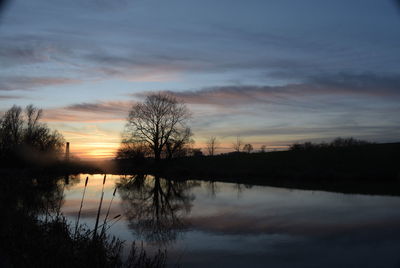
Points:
[(200, 133), (257, 76)]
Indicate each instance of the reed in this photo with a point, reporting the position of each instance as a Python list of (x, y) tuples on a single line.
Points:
[(80, 209), (99, 210), (117, 218), (27, 239), (108, 212), (113, 220)]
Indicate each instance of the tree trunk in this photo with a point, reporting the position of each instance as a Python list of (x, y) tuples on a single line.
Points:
[(157, 155)]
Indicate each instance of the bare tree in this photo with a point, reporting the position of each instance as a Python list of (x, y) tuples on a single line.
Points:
[(248, 148), (156, 121), (211, 145), (196, 152), (33, 116), (133, 151), (237, 146), (263, 149), (11, 130), (20, 130), (177, 144)]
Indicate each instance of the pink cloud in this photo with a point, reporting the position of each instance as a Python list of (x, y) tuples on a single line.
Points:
[(90, 112)]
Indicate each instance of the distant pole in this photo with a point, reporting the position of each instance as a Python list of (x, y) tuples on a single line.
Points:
[(67, 152)]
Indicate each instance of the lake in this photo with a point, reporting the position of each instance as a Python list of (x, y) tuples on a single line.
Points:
[(218, 224)]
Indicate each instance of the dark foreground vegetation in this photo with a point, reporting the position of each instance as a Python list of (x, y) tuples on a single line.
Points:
[(33, 232), (344, 165)]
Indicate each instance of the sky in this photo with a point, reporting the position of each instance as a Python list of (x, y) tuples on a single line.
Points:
[(273, 72)]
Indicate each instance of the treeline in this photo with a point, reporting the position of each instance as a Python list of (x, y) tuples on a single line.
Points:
[(336, 143), (138, 152), (331, 164), (23, 138)]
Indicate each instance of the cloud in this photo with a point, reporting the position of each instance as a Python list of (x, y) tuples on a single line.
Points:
[(344, 85), (359, 84), (22, 49), (320, 107), (28, 82), (111, 107), (136, 43), (25, 55), (140, 65), (98, 5), (10, 97), (293, 133), (68, 48), (90, 112)]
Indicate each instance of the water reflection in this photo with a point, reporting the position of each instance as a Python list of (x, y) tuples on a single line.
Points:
[(33, 195), (212, 188), (156, 207), (35, 233), (23, 200), (233, 225)]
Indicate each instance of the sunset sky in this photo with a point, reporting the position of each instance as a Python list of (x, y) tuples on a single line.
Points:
[(273, 72)]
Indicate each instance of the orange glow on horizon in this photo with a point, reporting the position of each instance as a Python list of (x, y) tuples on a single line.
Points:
[(95, 151), (107, 150), (91, 141)]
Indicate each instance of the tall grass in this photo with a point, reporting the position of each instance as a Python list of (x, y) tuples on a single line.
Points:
[(99, 210), (28, 240), (80, 209), (108, 212)]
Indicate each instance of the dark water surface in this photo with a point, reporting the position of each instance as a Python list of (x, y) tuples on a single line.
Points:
[(230, 225)]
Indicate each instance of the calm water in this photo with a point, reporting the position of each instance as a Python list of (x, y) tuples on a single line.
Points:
[(230, 225)]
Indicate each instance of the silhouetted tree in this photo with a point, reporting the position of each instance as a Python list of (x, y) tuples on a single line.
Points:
[(347, 142), (237, 146), (263, 149), (336, 143), (23, 133), (156, 121), (11, 130), (212, 144), (248, 148), (176, 146), (134, 151), (197, 152)]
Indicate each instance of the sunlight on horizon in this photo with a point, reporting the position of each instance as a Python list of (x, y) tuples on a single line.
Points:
[(94, 151), (106, 151)]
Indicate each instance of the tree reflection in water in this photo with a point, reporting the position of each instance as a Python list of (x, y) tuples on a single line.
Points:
[(34, 195), (156, 207), (34, 233)]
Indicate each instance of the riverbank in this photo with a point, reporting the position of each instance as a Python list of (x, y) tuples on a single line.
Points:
[(364, 169), (369, 169)]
